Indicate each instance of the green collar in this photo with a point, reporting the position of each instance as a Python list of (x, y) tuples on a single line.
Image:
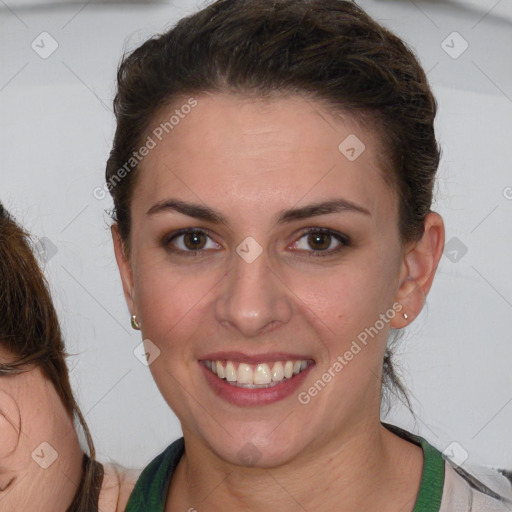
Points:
[(432, 481), (150, 492)]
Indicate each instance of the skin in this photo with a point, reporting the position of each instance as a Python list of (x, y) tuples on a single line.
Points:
[(31, 412), (117, 485), (249, 159)]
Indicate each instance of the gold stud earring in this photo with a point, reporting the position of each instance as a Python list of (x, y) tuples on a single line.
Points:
[(135, 324), (406, 316)]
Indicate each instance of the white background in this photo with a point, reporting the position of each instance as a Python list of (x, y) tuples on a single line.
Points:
[(56, 133)]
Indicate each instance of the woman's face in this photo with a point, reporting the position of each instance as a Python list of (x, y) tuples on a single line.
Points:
[(292, 254), (40, 458)]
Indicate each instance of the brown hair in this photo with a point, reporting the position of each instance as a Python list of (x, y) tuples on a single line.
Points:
[(327, 50), (30, 330)]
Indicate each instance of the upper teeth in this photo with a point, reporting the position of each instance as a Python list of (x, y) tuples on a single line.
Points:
[(257, 375)]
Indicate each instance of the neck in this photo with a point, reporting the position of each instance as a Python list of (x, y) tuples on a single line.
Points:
[(364, 467)]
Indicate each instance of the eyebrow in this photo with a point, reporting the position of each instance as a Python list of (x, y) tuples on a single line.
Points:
[(205, 213), (192, 210)]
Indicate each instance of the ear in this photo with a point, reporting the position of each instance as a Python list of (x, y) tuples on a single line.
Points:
[(418, 269), (125, 268)]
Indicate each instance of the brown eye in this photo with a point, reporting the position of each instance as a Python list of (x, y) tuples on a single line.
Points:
[(189, 242), (319, 241), (194, 241)]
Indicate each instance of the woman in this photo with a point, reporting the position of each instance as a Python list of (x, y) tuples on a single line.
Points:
[(42, 466), (272, 173)]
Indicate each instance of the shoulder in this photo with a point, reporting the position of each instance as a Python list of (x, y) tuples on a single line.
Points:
[(117, 485), (451, 488), (127, 480), (475, 489), (151, 487)]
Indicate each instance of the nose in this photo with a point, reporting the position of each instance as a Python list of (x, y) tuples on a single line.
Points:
[(253, 299)]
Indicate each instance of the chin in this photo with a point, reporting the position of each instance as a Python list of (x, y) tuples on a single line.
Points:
[(255, 448)]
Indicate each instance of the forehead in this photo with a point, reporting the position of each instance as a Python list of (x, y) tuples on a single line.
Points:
[(261, 151)]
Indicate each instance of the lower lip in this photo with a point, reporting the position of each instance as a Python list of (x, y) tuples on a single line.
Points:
[(256, 396)]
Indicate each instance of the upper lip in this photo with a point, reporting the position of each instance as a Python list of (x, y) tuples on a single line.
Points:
[(241, 357)]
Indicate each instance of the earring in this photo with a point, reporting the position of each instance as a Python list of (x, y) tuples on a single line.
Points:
[(406, 316), (135, 324)]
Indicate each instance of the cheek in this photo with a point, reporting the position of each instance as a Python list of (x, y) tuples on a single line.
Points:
[(346, 298), (41, 417), (172, 302), (10, 425), (345, 307)]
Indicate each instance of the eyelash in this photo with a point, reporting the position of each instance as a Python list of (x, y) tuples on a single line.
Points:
[(343, 239)]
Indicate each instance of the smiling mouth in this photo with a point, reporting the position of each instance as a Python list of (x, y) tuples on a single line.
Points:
[(256, 376)]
